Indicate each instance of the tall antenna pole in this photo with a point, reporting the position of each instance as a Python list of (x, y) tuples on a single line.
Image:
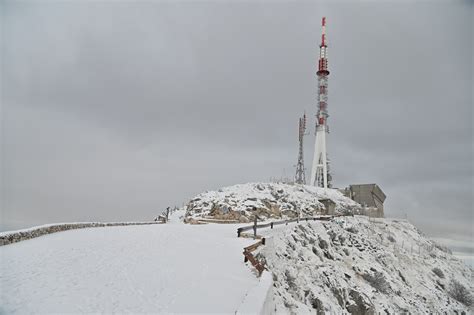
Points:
[(300, 177), (320, 170)]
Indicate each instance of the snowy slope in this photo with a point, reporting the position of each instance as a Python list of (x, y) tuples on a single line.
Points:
[(270, 200), (362, 267), (165, 268)]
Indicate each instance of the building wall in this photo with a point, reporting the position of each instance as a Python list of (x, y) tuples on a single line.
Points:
[(369, 196), (362, 194)]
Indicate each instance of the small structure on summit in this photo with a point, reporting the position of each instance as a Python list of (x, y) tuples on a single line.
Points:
[(329, 207), (370, 196)]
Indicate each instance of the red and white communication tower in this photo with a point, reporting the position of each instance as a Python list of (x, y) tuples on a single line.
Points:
[(320, 170)]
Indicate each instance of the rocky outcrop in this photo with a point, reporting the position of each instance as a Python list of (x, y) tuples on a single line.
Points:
[(269, 201), (360, 266)]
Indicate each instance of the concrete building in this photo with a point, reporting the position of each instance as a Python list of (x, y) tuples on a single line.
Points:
[(329, 206), (368, 195)]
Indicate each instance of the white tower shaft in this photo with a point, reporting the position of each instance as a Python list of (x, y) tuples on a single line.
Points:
[(320, 170)]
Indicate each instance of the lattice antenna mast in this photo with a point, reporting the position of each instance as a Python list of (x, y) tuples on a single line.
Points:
[(300, 177), (320, 170)]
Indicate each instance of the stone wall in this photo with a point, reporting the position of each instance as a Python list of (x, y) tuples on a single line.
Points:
[(17, 236)]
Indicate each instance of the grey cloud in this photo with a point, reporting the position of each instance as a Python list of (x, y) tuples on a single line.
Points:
[(113, 110)]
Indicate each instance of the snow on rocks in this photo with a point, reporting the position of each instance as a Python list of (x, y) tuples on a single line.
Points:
[(360, 266), (267, 200)]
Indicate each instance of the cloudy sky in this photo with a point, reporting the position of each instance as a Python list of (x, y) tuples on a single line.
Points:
[(114, 110)]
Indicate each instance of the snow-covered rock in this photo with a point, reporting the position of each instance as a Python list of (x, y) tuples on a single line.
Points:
[(360, 266), (267, 200)]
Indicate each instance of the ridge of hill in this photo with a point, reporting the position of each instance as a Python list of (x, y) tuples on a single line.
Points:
[(267, 200)]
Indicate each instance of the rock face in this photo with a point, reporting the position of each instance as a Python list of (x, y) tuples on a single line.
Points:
[(353, 265), (269, 200)]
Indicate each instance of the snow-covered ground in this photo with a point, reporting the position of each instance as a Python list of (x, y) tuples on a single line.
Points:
[(169, 268), (349, 264)]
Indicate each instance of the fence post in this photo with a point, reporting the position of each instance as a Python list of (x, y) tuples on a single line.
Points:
[(255, 228)]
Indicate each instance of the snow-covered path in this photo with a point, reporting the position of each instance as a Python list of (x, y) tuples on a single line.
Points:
[(166, 268)]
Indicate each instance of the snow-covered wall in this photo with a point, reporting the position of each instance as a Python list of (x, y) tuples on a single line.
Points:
[(21, 235)]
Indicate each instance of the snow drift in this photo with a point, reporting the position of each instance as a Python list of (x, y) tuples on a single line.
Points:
[(267, 200)]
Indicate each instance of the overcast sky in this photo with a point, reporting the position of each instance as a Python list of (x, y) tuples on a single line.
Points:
[(115, 110)]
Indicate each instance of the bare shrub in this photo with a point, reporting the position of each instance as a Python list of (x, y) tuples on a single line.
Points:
[(438, 272), (290, 279), (442, 248), (401, 276), (460, 293), (351, 229), (346, 211), (391, 239), (377, 280)]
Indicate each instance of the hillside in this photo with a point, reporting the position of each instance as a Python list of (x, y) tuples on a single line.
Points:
[(267, 200), (353, 265), (346, 264)]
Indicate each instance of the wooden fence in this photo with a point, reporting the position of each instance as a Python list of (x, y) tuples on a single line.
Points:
[(270, 225), (248, 256)]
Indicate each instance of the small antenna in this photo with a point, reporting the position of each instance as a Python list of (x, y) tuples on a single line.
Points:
[(300, 177)]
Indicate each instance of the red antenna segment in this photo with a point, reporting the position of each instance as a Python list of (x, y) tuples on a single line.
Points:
[(323, 35), (322, 73), (323, 54)]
